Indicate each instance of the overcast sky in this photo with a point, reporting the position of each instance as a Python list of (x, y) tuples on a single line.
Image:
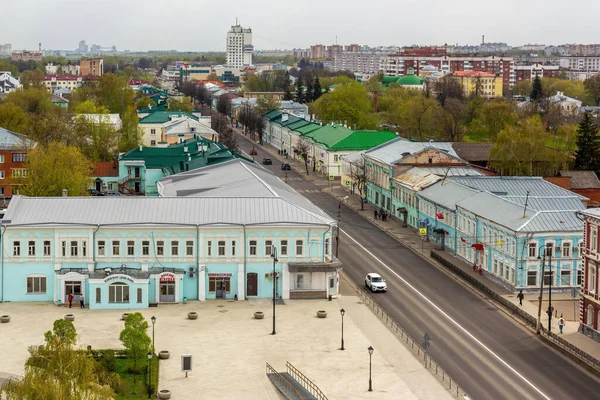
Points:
[(200, 25)]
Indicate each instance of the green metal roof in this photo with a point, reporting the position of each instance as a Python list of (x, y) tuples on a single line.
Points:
[(303, 130), (160, 117), (363, 140), (272, 114), (409, 80), (328, 135), (298, 124)]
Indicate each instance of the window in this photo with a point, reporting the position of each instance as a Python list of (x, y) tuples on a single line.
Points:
[(253, 247), (139, 295), (565, 278), (590, 316), (174, 248), (101, 248), (19, 157), (64, 248), (221, 248), (300, 281), (547, 278), (299, 247), (153, 143), (531, 278), (116, 247), (160, 248), (19, 172), (209, 249), (592, 280), (98, 295), (594, 244), (2, 159), (268, 248), (579, 278), (31, 248), (532, 250), (566, 249), (36, 284), (283, 248), (131, 247), (47, 248), (1, 174), (326, 249), (16, 248), (153, 131), (84, 248), (74, 248), (336, 158), (233, 248), (118, 293), (145, 247), (189, 248), (549, 249)]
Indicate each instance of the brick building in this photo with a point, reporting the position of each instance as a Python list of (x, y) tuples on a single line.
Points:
[(529, 72), (589, 307), (91, 67), (13, 156)]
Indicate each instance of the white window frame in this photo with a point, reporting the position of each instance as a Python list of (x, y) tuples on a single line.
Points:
[(101, 248), (269, 245), (130, 247), (253, 247), (565, 272), (221, 247), (532, 246), (533, 272), (16, 248), (122, 293), (35, 277), (550, 245), (568, 245), (145, 248), (594, 239), (47, 250), (74, 248), (160, 248), (301, 246), (284, 248), (174, 248), (189, 248), (114, 253), (592, 279), (31, 247)]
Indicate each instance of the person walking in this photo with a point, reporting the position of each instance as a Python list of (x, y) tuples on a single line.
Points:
[(520, 297), (81, 301), (375, 214), (561, 324), (70, 298)]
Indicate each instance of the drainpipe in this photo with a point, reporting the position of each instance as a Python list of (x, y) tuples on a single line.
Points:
[(3, 227), (325, 240), (94, 246), (455, 230)]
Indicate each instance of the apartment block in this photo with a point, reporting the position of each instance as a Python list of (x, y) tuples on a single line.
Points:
[(529, 72), (91, 67)]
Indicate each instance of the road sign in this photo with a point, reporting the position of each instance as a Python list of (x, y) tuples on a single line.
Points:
[(423, 231), (423, 238), (331, 177)]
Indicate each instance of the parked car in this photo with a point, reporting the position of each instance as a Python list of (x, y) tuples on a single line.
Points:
[(253, 152), (267, 161), (375, 282), (286, 166), (113, 194)]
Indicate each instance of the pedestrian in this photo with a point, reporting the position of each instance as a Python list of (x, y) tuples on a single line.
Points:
[(70, 298), (561, 324), (520, 297), (384, 213), (81, 301), (375, 214)]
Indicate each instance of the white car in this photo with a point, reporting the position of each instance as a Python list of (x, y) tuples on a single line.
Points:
[(375, 282)]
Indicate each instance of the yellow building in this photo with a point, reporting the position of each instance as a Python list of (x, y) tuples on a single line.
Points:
[(489, 84)]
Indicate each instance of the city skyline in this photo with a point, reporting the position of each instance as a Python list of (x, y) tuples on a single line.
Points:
[(189, 26)]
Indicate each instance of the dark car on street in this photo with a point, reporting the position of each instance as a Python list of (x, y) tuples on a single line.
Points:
[(286, 167), (267, 161)]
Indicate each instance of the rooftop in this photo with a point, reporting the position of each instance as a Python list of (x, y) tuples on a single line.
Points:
[(106, 168), (473, 152), (582, 179), (363, 140), (474, 74), (392, 152), (160, 117), (12, 140)]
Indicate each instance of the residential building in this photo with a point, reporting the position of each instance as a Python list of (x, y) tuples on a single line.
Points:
[(317, 51), (584, 183), (8, 83), (13, 159), (267, 95), (477, 154), (529, 72), (165, 127), (59, 101), (188, 72), (352, 48), (55, 82), (487, 84), (567, 105), (106, 176), (69, 69), (112, 120), (239, 47), (91, 66), (203, 240), (584, 49), (333, 51), (581, 67), (25, 55), (502, 224), (301, 53), (589, 307), (358, 62), (83, 47), (5, 50)]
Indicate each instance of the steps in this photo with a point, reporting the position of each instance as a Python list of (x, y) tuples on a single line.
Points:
[(294, 385)]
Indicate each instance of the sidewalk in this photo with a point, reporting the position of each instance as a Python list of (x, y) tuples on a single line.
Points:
[(563, 302)]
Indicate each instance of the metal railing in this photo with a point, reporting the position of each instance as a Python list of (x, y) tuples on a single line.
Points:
[(305, 382), (412, 345), (285, 382)]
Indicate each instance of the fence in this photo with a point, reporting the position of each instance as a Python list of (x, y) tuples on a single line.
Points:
[(304, 381), (413, 346), (276, 377), (515, 310)]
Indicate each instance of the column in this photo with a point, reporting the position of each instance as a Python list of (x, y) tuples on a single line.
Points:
[(241, 282), (285, 281), (201, 282)]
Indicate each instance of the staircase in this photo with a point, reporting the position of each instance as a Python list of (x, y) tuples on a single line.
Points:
[(294, 385)]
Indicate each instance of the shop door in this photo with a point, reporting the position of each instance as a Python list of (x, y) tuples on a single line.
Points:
[(252, 284), (72, 287), (167, 292), (332, 286), (222, 288)]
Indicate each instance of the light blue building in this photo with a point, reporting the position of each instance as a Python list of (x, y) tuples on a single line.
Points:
[(502, 224), (212, 235)]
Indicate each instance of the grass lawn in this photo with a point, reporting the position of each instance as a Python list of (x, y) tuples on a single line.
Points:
[(130, 390)]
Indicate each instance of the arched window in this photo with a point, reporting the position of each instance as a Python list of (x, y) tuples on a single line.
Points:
[(98, 295), (139, 295), (118, 292), (590, 316)]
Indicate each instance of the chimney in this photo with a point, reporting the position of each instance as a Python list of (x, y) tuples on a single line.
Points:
[(284, 117), (185, 149), (65, 193), (140, 147)]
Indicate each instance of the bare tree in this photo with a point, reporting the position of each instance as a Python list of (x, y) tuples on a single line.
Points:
[(302, 148), (358, 174), (229, 139)]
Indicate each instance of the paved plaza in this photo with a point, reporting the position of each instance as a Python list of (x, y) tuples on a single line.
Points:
[(230, 347)]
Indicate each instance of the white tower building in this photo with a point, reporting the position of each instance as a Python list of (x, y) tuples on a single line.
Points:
[(239, 46)]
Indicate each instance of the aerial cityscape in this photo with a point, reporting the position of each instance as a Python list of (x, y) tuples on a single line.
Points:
[(318, 217)]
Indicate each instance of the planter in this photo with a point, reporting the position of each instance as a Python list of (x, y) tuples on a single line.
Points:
[(259, 315), (5, 318), (164, 355), (70, 317), (322, 314), (164, 394), (124, 316), (192, 315)]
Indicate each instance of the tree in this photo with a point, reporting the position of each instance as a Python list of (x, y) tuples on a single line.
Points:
[(287, 94), (522, 88), (135, 339), (490, 119), (229, 139), (448, 87), (450, 120), (537, 89), (224, 105), (131, 133), (300, 95), (33, 79), (592, 87), (213, 77), (13, 118), (417, 117), (55, 167), (114, 93), (90, 107), (144, 102), (349, 102), (100, 139), (57, 370), (587, 156), (358, 174), (264, 104), (185, 105), (32, 101), (302, 148), (316, 89), (309, 94)]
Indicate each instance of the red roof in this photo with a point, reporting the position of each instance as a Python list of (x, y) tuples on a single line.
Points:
[(106, 168), (480, 74), (61, 77), (138, 82)]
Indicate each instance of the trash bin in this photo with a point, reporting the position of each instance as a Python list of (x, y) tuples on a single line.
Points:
[(59, 303), (185, 300)]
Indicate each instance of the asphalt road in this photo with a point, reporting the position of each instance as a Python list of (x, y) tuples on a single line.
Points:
[(487, 353)]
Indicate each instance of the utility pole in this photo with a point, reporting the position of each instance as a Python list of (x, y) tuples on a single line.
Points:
[(550, 293), (539, 320), (337, 232)]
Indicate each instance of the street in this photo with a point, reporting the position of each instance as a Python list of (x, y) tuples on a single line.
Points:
[(487, 353)]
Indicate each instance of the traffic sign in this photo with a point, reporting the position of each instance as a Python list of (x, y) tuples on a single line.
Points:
[(423, 231), (331, 177)]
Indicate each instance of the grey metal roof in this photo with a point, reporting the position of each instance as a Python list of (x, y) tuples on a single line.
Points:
[(392, 152), (446, 193), (452, 171), (553, 221), (582, 179), (548, 203), (496, 209), (12, 140), (416, 179)]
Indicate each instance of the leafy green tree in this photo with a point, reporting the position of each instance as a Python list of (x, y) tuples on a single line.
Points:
[(309, 94), (101, 138), (63, 333), (287, 94), (592, 87), (114, 93), (490, 119), (13, 118), (32, 101), (185, 105), (131, 133), (587, 156), (349, 102), (144, 102), (90, 107), (135, 340), (264, 104), (537, 90), (300, 94), (33, 79), (316, 89), (522, 88), (53, 168)]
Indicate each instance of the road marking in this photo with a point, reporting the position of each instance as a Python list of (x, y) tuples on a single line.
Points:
[(448, 317)]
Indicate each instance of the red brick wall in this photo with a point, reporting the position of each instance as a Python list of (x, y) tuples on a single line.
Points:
[(7, 167)]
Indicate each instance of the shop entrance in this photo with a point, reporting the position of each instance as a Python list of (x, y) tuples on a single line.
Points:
[(72, 287), (252, 284), (167, 288), (219, 284)]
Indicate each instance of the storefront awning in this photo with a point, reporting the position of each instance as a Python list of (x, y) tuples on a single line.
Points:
[(477, 246), (315, 267)]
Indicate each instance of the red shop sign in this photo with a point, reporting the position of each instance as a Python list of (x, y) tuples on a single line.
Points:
[(220, 275), (167, 277)]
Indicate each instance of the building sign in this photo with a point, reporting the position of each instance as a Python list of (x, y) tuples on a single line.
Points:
[(167, 277), (119, 277), (220, 275)]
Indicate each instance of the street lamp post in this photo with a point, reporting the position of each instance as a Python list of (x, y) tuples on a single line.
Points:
[(150, 388), (153, 319), (337, 234), (274, 255), (342, 312), (550, 292), (370, 354), (539, 320)]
